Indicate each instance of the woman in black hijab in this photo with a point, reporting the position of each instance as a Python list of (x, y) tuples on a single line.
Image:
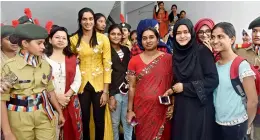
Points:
[(195, 78)]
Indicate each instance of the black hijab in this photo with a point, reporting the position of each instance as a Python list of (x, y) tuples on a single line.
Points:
[(184, 57)]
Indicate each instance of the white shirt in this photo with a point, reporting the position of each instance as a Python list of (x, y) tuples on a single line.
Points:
[(59, 77), (120, 54)]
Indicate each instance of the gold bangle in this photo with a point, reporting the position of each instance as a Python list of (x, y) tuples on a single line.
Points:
[(106, 92)]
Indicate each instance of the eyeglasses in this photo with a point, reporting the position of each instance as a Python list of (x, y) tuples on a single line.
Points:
[(201, 32)]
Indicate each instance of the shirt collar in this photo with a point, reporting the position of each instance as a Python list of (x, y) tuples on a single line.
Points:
[(25, 58)]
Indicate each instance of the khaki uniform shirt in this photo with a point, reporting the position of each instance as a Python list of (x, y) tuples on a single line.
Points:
[(249, 54), (31, 80)]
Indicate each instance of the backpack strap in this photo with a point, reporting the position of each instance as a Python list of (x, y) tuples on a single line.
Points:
[(234, 76)]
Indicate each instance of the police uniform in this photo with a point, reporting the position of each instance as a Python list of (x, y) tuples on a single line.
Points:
[(128, 27), (6, 30), (29, 110), (254, 50), (251, 53)]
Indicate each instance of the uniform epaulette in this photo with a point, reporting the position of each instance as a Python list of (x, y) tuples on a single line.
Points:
[(243, 46)]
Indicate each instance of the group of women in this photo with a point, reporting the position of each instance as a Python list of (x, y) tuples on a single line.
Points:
[(205, 105), (202, 98)]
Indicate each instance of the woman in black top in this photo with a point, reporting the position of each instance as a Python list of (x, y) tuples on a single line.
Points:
[(118, 88), (195, 78)]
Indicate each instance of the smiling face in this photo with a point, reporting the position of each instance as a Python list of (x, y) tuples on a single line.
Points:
[(87, 21), (204, 34), (149, 40), (115, 36), (183, 35), (221, 41), (59, 40)]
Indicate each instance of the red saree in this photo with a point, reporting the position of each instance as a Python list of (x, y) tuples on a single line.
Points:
[(72, 129), (152, 81)]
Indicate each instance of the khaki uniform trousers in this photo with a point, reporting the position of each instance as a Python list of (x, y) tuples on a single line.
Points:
[(33, 125)]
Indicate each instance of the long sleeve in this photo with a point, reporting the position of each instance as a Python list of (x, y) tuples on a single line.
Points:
[(73, 41), (77, 80), (165, 17), (202, 88), (107, 60)]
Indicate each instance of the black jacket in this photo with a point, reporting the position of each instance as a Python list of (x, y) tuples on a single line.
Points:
[(119, 69)]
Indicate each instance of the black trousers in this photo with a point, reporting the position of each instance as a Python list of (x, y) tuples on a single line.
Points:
[(86, 98), (236, 132)]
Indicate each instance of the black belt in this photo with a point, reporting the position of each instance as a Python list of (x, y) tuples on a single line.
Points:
[(25, 103)]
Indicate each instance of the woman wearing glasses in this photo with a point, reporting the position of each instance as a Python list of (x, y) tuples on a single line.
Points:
[(203, 33)]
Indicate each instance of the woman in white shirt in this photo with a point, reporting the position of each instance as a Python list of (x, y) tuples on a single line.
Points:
[(67, 80)]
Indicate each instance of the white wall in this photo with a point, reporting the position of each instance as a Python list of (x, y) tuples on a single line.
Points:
[(63, 13), (136, 11), (239, 13)]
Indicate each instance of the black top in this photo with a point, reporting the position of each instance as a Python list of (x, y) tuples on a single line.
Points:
[(194, 114), (193, 65), (171, 17), (119, 69)]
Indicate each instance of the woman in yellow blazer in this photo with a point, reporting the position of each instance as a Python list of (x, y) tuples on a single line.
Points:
[(93, 50)]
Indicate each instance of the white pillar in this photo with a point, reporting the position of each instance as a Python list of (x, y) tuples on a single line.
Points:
[(122, 9)]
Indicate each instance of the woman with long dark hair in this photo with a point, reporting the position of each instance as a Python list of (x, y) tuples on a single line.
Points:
[(162, 17), (173, 16), (100, 22), (234, 113), (94, 53), (67, 79)]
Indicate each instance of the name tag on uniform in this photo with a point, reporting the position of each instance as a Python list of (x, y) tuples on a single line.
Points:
[(24, 81)]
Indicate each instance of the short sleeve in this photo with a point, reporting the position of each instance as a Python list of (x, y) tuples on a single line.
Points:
[(50, 85), (132, 66), (6, 95), (245, 70)]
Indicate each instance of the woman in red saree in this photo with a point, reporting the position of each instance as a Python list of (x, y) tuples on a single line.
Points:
[(150, 74)]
